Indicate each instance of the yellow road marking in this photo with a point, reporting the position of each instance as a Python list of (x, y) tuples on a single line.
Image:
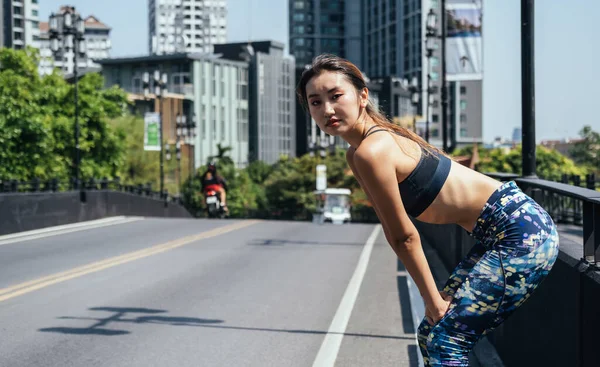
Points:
[(30, 286)]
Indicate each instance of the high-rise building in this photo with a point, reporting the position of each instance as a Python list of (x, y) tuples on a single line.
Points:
[(96, 45), (20, 23), (272, 130), (393, 34), (464, 72), (332, 26), (384, 23), (186, 25), (317, 27), (212, 90)]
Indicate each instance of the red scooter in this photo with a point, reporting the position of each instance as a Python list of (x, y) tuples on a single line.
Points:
[(212, 200)]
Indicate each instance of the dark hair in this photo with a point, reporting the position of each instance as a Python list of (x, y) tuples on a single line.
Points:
[(333, 63)]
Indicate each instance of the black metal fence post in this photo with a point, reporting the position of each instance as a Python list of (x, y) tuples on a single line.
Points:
[(528, 88)]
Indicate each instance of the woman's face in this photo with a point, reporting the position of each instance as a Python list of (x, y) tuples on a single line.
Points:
[(334, 103)]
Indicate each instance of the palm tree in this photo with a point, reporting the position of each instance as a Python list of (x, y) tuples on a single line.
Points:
[(221, 157)]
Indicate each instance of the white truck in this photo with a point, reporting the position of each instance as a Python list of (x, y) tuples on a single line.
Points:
[(333, 206)]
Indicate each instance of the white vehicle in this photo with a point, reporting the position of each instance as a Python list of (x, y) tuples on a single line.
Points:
[(333, 206)]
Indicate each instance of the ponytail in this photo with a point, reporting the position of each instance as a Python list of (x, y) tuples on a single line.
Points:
[(380, 120)]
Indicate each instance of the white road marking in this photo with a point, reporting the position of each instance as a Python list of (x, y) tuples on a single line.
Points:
[(67, 228), (333, 340)]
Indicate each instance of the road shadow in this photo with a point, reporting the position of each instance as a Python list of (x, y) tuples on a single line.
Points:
[(413, 355), (282, 242), (125, 315), (405, 307)]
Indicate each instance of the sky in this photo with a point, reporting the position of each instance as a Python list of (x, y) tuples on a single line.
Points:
[(565, 79)]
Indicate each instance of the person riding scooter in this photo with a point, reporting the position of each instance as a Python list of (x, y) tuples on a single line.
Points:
[(213, 181)]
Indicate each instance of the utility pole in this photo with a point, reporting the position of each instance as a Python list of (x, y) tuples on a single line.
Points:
[(528, 88)]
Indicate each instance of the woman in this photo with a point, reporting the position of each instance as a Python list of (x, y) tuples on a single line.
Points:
[(404, 177), (211, 180)]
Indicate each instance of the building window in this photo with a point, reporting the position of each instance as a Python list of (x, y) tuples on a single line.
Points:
[(222, 123), (435, 61), (463, 118), (463, 90), (298, 17), (463, 104), (463, 132), (203, 122), (434, 75), (435, 118), (214, 122), (435, 133), (298, 4), (214, 80)]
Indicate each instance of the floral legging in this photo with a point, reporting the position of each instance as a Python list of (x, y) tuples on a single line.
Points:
[(517, 245)]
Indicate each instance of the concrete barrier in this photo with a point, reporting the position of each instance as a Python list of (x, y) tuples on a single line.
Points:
[(28, 211)]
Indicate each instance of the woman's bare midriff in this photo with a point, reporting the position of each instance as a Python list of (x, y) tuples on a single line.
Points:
[(461, 199), (463, 195)]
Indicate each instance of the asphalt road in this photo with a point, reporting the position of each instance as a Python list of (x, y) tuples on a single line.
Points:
[(172, 292)]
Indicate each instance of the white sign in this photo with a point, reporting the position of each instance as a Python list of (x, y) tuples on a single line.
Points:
[(152, 136), (321, 177)]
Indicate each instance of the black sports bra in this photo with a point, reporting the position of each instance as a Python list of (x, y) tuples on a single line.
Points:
[(424, 183)]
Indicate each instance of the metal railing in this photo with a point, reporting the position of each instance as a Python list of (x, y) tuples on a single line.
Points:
[(55, 185), (563, 208), (555, 196), (567, 202)]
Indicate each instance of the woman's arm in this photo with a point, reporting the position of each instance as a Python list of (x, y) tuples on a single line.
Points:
[(374, 168), (350, 160)]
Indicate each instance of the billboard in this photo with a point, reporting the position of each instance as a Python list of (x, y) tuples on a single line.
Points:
[(152, 131), (464, 48)]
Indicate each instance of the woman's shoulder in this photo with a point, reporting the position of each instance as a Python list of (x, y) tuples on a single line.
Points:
[(375, 147)]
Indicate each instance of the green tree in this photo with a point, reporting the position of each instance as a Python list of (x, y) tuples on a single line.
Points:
[(37, 116), (259, 171), (24, 137), (289, 188), (587, 152), (550, 164), (221, 156), (139, 166)]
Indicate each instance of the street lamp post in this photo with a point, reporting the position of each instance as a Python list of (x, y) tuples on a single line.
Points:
[(414, 100), (180, 122), (430, 41), (160, 91), (186, 131), (67, 31), (415, 93), (528, 88), (190, 133), (431, 35)]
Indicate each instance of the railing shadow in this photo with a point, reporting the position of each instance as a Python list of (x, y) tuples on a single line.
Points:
[(282, 242), (119, 316)]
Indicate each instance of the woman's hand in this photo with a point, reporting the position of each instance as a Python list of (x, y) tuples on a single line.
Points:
[(435, 311)]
